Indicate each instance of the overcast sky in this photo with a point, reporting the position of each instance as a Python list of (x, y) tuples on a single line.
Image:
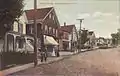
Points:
[(101, 16)]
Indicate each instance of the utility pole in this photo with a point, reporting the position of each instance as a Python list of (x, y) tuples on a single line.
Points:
[(35, 34), (80, 34)]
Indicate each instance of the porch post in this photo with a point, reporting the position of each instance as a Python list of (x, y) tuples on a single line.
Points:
[(14, 42), (0, 61)]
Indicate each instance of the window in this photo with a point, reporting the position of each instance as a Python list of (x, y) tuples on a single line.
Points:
[(53, 30), (50, 29), (50, 15), (56, 32), (20, 42), (53, 17), (31, 29), (46, 28), (20, 28), (10, 42)]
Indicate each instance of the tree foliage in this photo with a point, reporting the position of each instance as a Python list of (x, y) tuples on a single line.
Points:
[(84, 35), (116, 37), (10, 10)]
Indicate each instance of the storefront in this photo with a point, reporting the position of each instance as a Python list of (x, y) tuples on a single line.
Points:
[(51, 44)]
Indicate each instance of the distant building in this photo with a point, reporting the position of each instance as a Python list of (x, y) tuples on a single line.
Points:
[(91, 39), (63, 39), (70, 37)]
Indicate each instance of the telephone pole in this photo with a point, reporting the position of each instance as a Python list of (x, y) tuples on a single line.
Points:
[(79, 43), (35, 34)]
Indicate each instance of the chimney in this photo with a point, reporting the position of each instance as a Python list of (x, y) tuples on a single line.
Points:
[(64, 23)]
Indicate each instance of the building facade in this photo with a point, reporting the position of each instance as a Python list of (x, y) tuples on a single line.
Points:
[(70, 33), (47, 25), (63, 40), (91, 39)]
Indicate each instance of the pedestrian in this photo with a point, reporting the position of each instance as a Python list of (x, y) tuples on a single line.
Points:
[(45, 54), (41, 54), (57, 51)]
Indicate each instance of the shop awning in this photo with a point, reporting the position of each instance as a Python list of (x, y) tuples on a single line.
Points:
[(48, 40), (65, 40)]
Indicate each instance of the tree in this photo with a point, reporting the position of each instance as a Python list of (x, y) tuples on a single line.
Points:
[(84, 35), (119, 30), (113, 38), (116, 37), (10, 10)]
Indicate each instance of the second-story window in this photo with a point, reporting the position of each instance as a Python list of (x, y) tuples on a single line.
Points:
[(56, 33), (50, 16), (50, 28), (53, 30), (53, 17), (46, 28)]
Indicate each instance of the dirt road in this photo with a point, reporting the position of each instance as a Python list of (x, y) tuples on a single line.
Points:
[(102, 62)]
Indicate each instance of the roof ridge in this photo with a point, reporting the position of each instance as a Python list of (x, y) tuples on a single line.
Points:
[(40, 8)]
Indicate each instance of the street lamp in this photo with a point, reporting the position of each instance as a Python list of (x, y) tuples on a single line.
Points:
[(80, 34)]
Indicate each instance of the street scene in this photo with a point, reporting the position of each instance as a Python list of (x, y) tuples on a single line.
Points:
[(101, 62), (59, 38)]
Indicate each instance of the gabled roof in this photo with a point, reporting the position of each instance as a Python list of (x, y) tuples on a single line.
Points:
[(40, 14), (61, 32), (68, 28)]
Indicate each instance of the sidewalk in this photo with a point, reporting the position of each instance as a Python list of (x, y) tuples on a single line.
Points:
[(30, 65), (17, 68), (64, 53)]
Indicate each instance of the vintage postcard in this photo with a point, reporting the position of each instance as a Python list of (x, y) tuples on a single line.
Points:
[(59, 37)]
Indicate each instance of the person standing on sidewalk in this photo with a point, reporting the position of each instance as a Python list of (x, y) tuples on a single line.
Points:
[(57, 51), (41, 54), (45, 54)]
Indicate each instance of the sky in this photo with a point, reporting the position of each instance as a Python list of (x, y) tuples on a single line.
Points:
[(100, 16)]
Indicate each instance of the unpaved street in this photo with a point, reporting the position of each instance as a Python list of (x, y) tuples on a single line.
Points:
[(101, 62)]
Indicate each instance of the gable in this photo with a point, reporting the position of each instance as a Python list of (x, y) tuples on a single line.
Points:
[(43, 15), (51, 19), (68, 28), (40, 14)]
